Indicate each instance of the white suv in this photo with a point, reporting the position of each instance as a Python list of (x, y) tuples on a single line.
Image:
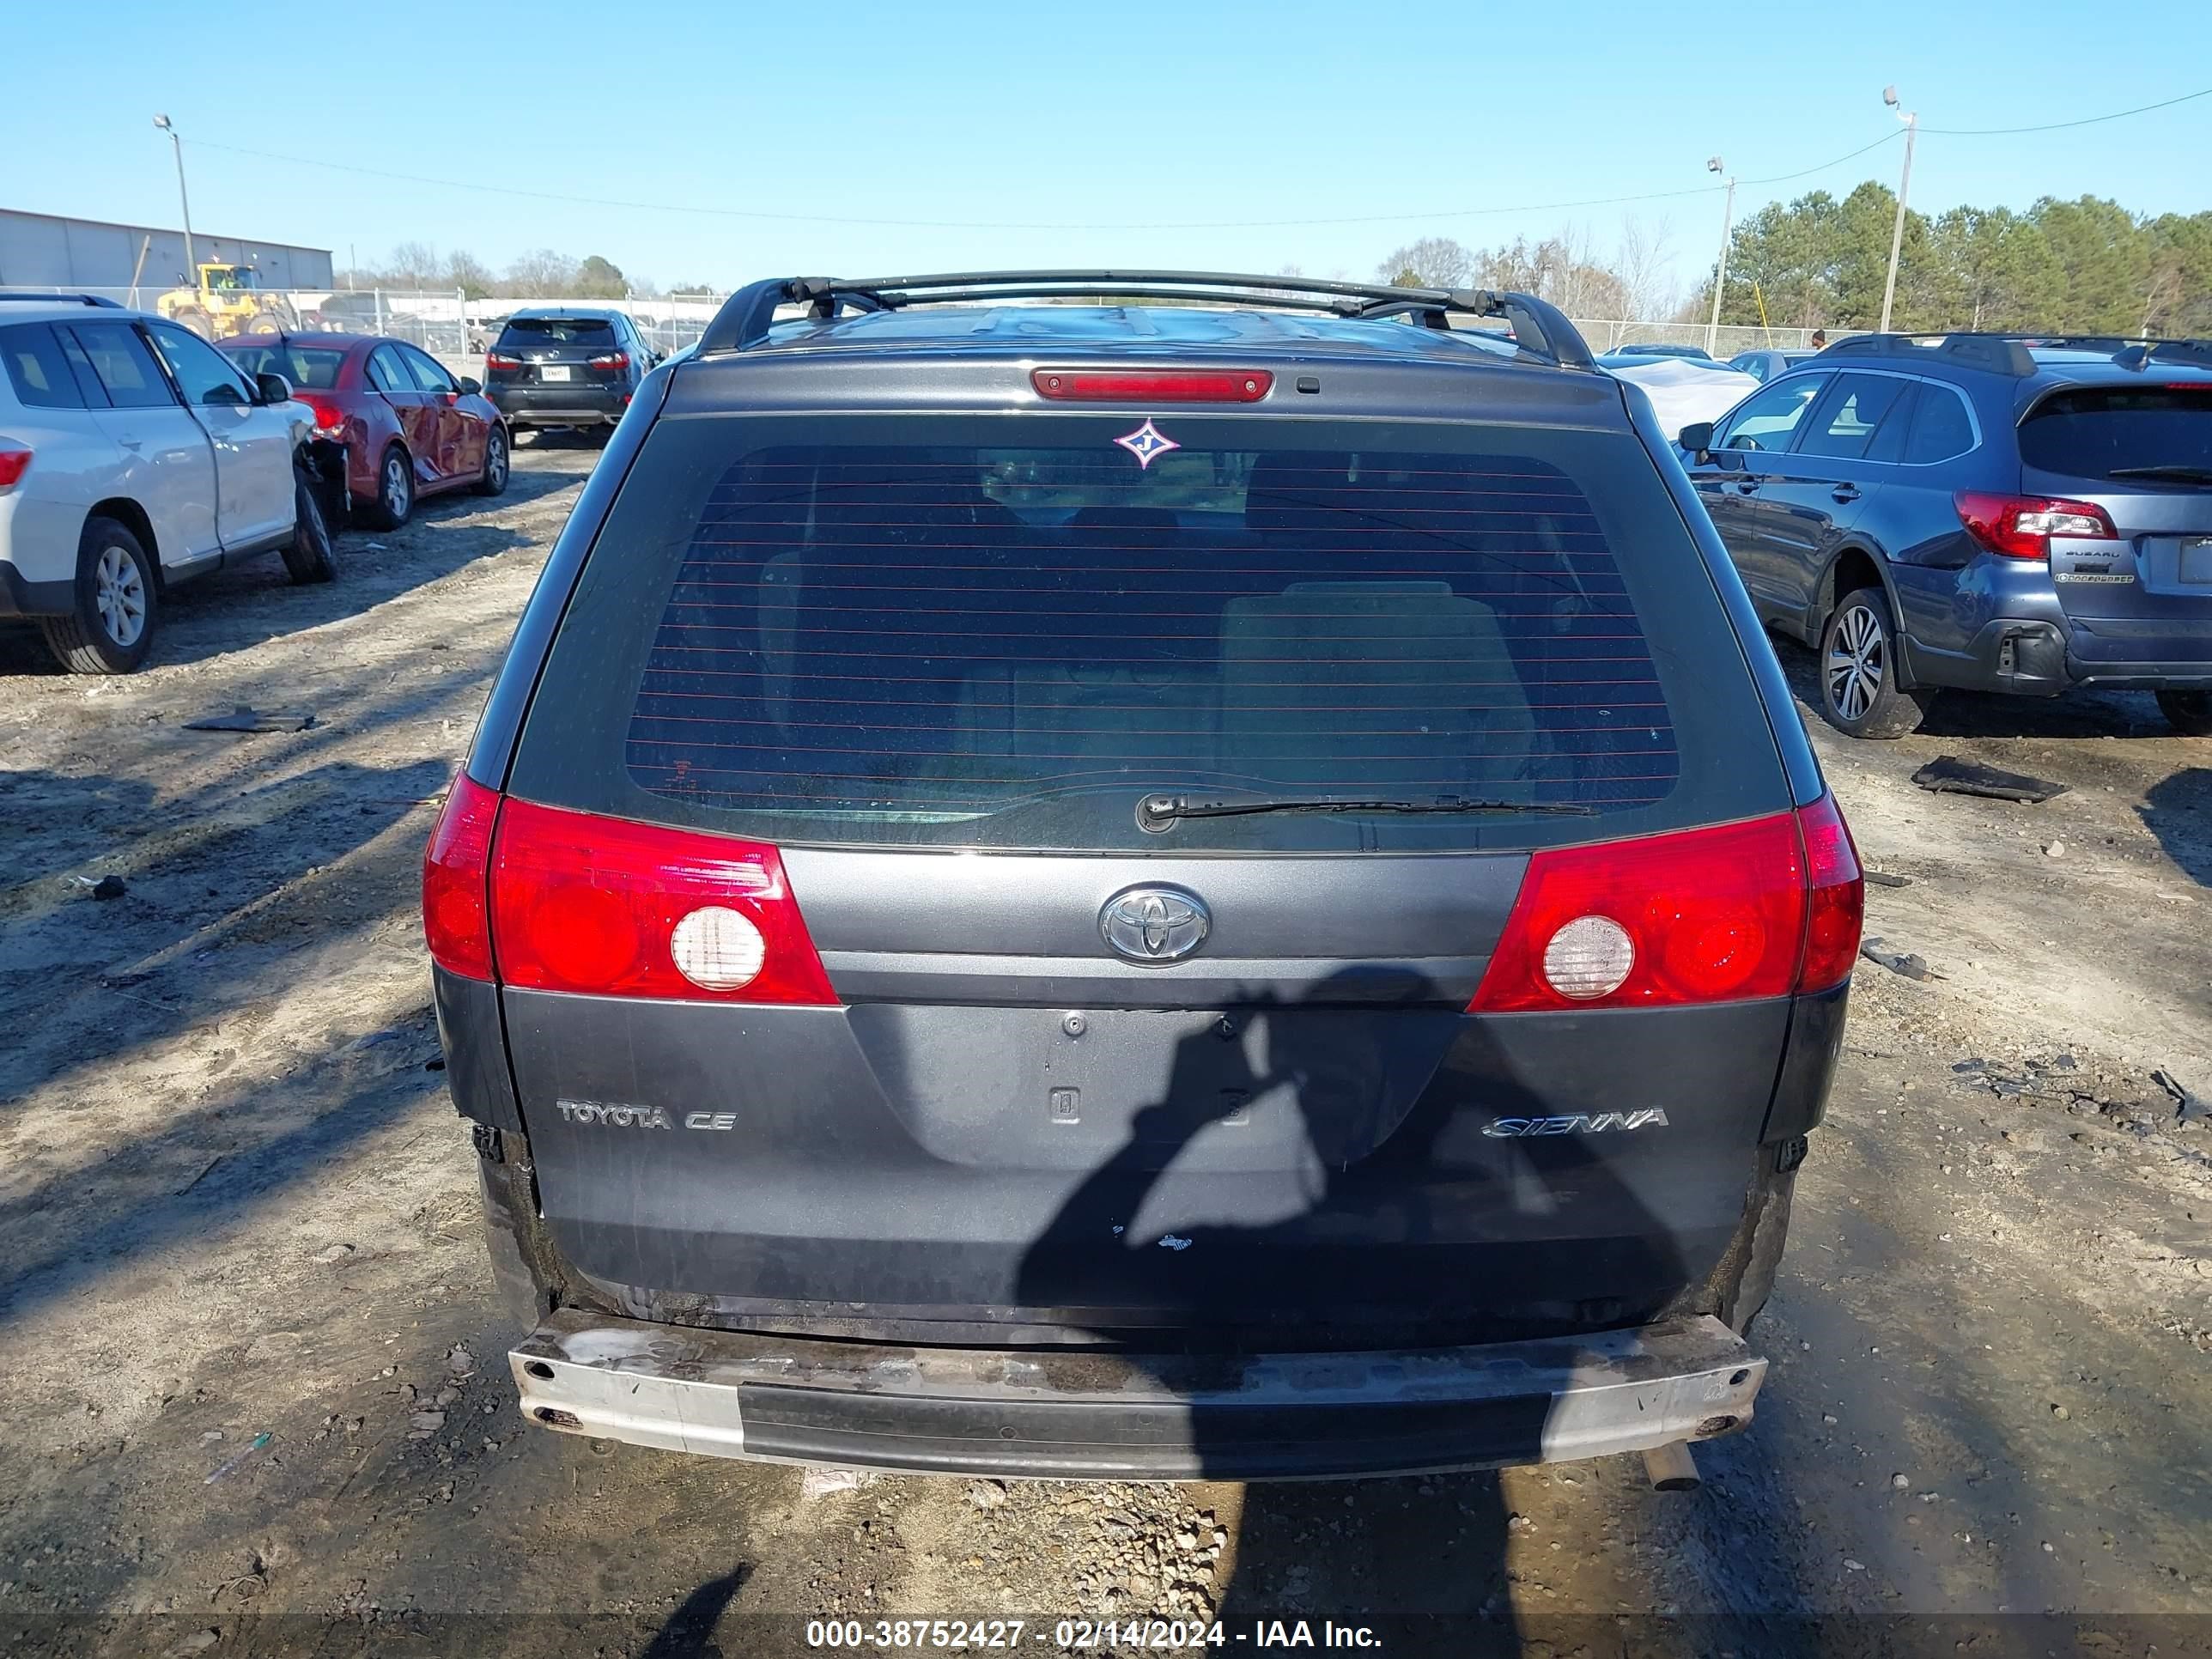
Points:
[(132, 455)]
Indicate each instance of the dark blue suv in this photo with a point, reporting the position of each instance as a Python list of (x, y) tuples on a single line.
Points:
[(1998, 513)]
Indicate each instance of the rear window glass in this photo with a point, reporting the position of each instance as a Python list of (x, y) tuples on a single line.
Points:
[(37, 370), (540, 332), (1013, 640), (2118, 432), (314, 369)]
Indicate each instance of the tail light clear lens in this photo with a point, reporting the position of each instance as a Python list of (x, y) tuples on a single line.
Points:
[(2022, 527), (604, 906), (610, 359), (501, 360), (455, 870), (1743, 911)]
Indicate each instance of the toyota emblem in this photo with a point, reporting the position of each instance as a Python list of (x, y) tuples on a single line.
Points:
[(1154, 925)]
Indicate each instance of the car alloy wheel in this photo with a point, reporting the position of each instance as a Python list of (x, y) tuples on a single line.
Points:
[(396, 493), (1857, 658), (496, 463), (119, 595)]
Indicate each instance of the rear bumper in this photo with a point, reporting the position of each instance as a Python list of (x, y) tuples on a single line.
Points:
[(1073, 1415), (21, 598), (560, 405), (2151, 653), (2034, 657)]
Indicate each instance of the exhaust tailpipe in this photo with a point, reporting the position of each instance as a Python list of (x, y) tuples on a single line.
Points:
[(1671, 1468)]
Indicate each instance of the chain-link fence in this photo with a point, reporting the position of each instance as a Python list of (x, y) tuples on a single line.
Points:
[(451, 326), (1729, 338), (436, 322)]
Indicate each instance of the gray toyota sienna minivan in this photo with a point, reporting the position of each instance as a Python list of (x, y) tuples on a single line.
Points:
[(1140, 875)]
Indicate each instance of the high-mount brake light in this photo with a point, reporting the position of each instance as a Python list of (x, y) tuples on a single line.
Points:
[(1763, 908), (1153, 385), (616, 908)]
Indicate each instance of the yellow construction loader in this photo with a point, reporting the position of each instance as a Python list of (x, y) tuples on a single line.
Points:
[(228, 301)]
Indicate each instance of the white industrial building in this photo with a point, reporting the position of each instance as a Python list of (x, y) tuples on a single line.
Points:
[(40, 250)]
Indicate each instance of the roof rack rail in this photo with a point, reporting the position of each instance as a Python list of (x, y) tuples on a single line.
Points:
[(2142, 354), (1537, 325), (2000, 354), (59, 296)]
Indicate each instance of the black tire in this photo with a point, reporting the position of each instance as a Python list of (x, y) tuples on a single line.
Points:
[(394, 502), (1857, 668), (2189, 713), (493, 482), (115, 591), (307, 555)]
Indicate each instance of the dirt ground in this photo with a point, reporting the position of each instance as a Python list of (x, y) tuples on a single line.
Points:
[(235, 1201)]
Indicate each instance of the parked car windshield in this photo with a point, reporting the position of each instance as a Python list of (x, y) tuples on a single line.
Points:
[(2102, 432), (313, 368), (950, 633), (542, 332)]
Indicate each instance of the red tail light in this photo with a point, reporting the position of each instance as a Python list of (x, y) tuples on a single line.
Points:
[(1176, 385), (1836, 889), (2022, 527), (602, 905), (329, 417), (501, 360), (15, 462), (610, 359), (1743, 910), (456, 872)]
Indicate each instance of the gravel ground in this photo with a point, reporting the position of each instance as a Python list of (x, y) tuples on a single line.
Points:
[(235, 1202)]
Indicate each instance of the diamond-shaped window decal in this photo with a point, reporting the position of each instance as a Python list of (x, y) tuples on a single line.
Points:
[(1148, 443)]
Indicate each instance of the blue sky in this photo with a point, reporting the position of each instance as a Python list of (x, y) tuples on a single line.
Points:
[(1466, 122)]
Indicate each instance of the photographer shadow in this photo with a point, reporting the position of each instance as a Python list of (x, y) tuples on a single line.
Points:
[(1174, 1271)]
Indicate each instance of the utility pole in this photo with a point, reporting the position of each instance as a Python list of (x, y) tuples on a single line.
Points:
[(192, 264), (1911, 120), (1720, 276)]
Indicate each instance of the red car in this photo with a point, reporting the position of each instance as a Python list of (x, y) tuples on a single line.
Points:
[(410, 428)]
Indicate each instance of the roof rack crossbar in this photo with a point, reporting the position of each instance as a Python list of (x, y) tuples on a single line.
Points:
[(2010, 353), (1538, 326), (1997, 353), (898, 299)]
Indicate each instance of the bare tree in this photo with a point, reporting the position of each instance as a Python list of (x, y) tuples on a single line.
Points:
[(1645, 265), (414, 264), (465, 271), (1432, 262), (541, 274)]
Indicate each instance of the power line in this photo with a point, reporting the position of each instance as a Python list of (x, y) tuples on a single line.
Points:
[(2060, 126), (703, 212), (1891, 136)]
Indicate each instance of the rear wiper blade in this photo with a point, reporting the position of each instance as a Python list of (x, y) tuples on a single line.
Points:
[(1158, 812), (2179, 474)]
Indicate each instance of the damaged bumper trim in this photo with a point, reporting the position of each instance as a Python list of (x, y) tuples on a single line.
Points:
[(1088, 1415)]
